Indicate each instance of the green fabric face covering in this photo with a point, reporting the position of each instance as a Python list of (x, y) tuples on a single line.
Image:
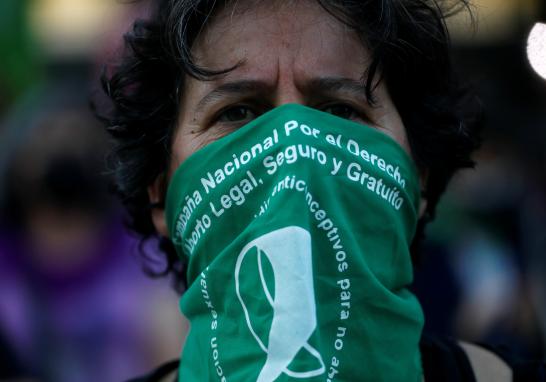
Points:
[(296, 229)]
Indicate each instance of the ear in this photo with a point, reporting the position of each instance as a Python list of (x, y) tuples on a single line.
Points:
[(423, 182), (156, 194)]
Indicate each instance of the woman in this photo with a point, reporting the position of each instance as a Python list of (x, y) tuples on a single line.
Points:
[(289, 154)]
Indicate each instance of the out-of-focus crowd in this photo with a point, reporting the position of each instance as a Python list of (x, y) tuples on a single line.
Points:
[(75, 304)]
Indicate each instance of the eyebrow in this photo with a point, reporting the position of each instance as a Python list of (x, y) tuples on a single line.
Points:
[(236, 88), (337, 84), (320, 85)]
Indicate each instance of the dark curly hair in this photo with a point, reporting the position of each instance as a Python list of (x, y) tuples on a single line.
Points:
[(410, 48)]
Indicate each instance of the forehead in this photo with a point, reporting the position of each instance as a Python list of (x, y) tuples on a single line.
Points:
[(283, 51), (269, 39)]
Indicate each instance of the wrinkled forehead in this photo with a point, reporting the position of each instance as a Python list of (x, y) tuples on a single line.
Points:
[(272, 35)]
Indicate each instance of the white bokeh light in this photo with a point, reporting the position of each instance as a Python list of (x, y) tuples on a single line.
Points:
[(536, 49)]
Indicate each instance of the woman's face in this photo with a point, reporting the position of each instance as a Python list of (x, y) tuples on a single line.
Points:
[(288, 52)]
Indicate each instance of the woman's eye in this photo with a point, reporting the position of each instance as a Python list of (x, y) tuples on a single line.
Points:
[(342, 111), (237, 114)]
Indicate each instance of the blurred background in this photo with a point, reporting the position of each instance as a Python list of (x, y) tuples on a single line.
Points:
[(74, 302)]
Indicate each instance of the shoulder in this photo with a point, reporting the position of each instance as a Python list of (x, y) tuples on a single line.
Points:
[(168, 372), (445, 359), (487, 366)]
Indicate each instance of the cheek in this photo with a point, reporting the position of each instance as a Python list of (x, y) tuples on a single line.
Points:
[(389, 120), (391, 124), (184, 144), (401, 137), (188, 140)]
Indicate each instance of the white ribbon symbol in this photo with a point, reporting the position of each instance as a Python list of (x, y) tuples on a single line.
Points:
[(294, 311)]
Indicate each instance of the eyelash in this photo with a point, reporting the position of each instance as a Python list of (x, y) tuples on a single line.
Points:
[(257, 111), (357, 111), (233, 125)]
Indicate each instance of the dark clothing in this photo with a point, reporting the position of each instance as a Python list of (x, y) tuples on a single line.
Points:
[(443, 361), (159, 373)]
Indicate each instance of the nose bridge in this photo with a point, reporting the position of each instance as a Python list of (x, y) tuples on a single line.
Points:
[(287, 88), (287, 92)]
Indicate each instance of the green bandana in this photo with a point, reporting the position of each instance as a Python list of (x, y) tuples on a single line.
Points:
[(296, 229)]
